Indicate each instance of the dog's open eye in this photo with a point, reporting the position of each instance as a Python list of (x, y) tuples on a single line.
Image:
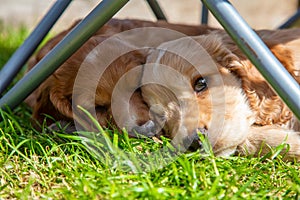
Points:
[(200, 85)]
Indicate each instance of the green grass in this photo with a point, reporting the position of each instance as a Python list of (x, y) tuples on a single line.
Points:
[(55, 165)]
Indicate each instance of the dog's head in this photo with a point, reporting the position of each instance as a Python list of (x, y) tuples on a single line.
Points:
[(188, 88)]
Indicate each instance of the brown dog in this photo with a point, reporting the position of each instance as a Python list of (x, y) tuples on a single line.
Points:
[(54, 96), (217, 89), (187, 84)]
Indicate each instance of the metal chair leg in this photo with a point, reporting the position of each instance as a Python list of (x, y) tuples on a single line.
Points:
[(291, 21), (22, 54), (159, 14), (204, 15)]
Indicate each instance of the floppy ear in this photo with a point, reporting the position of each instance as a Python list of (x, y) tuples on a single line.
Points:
[(266, 104)]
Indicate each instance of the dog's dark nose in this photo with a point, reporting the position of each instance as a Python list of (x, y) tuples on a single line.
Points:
[(193, 142), (147, 129)]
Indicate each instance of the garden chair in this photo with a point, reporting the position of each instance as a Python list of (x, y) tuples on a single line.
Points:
[(224, 12)]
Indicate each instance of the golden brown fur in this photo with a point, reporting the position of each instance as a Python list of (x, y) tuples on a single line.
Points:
[(250, 118), (284, 44), (239, 110)]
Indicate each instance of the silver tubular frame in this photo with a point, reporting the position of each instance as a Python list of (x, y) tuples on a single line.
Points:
[(247, 40)]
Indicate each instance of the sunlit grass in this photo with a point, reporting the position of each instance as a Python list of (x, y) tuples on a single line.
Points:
[(56, 165)]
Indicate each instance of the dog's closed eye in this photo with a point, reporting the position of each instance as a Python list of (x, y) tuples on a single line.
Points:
[(200, 85)]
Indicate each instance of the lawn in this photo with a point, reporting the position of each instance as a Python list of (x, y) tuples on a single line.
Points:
[(56, 165)]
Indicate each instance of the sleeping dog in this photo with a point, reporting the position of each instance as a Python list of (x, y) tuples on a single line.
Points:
[(174, 85)]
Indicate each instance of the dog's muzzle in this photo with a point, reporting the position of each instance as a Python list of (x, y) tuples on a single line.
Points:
[(149, 129)]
